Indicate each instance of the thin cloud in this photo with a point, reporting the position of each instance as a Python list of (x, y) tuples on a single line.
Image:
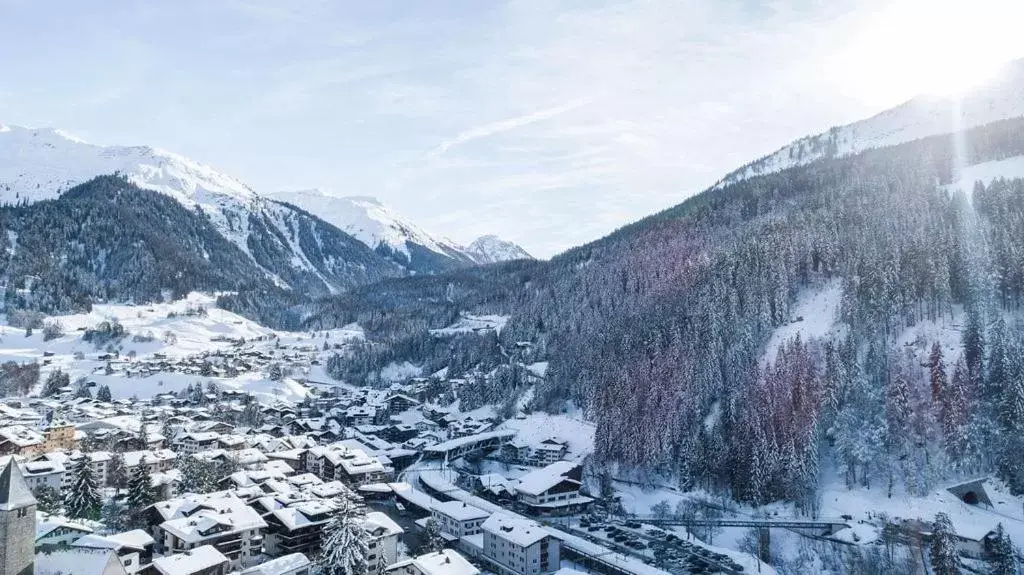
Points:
[(501, 126)]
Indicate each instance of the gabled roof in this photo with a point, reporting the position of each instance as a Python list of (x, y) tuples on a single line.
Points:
[(14, 492)]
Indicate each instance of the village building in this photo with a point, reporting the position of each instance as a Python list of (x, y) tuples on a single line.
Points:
[(134, 549), (444, 562), (514, 545), (554, 489)]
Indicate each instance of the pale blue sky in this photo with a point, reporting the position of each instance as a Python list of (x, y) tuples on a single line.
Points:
[(548, 122)]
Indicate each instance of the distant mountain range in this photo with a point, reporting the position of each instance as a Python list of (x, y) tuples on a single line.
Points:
[(380, 228), (42, 164)]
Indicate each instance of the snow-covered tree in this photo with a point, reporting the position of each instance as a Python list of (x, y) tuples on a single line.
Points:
[(115, 516), (117, 473), (140, 488), (83, 497), (103, 394), (1004, 561), (432, 540), (344, 543), (944, 557), (47, 499)]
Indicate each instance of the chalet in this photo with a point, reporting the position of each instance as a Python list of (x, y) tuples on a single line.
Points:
[(294, 564), (554, 489), (191, 442), (20, 440), (351, 466), (56, 532), (134, 549), (78, 560), (549, 451), (156, 461), (295, 527), (444, 562), (221, 520), (204, 560)]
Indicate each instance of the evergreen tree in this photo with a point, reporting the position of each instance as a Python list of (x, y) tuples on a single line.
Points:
[(974, 345), (117, 473), (432, 540), (166, 431), (344, 543), (54, 382), (1004, 561), (944, 557), (140, 488), (1011, 408), (47, 499), (103, 394), (83, 497), (937, 372), (115, 516)]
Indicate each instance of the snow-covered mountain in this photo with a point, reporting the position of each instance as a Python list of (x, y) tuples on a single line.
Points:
[(491, 249), (1000, 99), (40, 164), (380, 228)]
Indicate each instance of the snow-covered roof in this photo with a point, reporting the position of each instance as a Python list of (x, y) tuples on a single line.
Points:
[(444, 562), (191, 561), (21, 436), (133, 458), (279, 566), (541, 480), (381, 525), (515, 529), (77, 560), (52, 523), (191, 518), (14, 492), (470, 439), (136, 539), (460, 511)]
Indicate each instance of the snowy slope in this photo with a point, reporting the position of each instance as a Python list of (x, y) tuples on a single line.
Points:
[(377, 226), (491, 249), (986, 172), (1000, 99), (368, 220), (40, 164)]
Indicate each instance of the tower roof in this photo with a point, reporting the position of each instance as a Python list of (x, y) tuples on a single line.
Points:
[(14, 492)]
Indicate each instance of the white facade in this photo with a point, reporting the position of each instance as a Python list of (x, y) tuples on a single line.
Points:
[(515, 545)]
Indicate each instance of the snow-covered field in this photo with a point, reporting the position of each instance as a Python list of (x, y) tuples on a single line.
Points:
[(537, 427), (169, 331), (814, 315), (986, 172), (470, 323)]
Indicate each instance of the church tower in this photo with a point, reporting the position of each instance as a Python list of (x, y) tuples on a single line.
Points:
[(17, 523)]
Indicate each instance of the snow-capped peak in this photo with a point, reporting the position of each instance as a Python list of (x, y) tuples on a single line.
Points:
[(921, 117), (40, 163), (490, 249), (369, 221)]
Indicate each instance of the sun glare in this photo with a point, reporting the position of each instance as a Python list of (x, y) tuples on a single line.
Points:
[(938, 47)]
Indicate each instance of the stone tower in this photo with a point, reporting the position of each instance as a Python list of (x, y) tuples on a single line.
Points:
[(17, 523)]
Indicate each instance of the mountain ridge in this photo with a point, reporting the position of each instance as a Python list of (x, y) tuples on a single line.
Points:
[(920, 117), (375, 224)]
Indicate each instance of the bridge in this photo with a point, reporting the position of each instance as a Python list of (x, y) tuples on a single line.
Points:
[(826, 525), (462, 446)]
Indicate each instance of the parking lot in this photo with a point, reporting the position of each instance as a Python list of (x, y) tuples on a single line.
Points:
[(657, 547)]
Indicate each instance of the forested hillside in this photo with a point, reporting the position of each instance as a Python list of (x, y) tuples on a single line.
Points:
[(107, 239), (658, 331)]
